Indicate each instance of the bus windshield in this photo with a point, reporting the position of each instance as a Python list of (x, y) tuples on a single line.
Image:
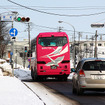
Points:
[(52, 41)]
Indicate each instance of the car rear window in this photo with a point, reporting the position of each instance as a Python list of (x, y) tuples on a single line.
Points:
[(94, 65)]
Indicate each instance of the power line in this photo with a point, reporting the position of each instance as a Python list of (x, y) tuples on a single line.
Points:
[(82, 7), (53, 8), (50, 13), (45, 27), (66, 29)]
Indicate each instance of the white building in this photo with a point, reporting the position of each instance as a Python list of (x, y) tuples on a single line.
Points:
[(86, 49), (20, 56)]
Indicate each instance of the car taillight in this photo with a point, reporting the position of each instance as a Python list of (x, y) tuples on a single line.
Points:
[(81, 73)]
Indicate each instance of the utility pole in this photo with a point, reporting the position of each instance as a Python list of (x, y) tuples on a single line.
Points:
[(95, 52), (78, 46), (10, 18), (92, 46), (60, 29), (12, 56), (97, 25), (29, 43), (24, 59), (29, 36), (86, 50)]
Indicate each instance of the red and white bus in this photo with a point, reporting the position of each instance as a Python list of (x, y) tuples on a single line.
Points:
[(50, 56)]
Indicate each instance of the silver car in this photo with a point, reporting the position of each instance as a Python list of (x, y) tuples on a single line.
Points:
[(89, 75)]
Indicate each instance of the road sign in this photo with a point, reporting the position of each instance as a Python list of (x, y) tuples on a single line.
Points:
[(7, 18), (13, 32), (98, 25), (11, 53), (29, 59)]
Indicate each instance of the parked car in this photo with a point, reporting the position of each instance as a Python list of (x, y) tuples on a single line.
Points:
[(89, 75)]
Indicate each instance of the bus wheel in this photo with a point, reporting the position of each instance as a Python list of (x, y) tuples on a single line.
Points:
[(59, 78), (65, 78), (35, 77)]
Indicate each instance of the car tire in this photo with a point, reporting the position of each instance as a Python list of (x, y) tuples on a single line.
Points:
[(73, 89), (79, 90)]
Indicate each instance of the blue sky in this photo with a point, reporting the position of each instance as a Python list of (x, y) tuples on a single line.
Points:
[(65, 7)]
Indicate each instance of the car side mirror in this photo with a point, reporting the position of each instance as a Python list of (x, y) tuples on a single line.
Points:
[(73, 70)]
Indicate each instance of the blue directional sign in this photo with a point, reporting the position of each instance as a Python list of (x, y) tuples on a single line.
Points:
[(11, 53), (13, 32)]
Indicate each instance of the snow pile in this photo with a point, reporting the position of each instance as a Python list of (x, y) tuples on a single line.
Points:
[(23, 74), (14, 92), (2, 61), (1, 73), (5, 68)]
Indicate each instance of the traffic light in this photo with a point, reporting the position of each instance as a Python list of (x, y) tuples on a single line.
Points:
[(25, 49), (23, 19), (29, 54)]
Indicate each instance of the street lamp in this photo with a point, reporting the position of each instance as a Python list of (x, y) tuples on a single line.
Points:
[(70, 25), (73, 40)]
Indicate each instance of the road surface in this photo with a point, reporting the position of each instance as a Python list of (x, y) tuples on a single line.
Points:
[(54, 92)]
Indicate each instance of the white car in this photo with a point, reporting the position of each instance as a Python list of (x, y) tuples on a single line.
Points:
[(89, 75)]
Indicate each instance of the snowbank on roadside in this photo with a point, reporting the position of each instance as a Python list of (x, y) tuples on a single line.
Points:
[(23, 74), (1, 73), (6, 66), (14, 92)]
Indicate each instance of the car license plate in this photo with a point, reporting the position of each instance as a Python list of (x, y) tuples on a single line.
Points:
[(98, 76), (53, 67)]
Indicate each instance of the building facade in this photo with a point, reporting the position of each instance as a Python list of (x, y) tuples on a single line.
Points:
[(86, 49), (18, 48)]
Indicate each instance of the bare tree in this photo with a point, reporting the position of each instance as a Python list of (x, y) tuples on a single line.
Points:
[(4, 37)]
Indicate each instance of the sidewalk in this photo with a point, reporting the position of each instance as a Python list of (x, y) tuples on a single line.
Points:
[(14, 92)]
